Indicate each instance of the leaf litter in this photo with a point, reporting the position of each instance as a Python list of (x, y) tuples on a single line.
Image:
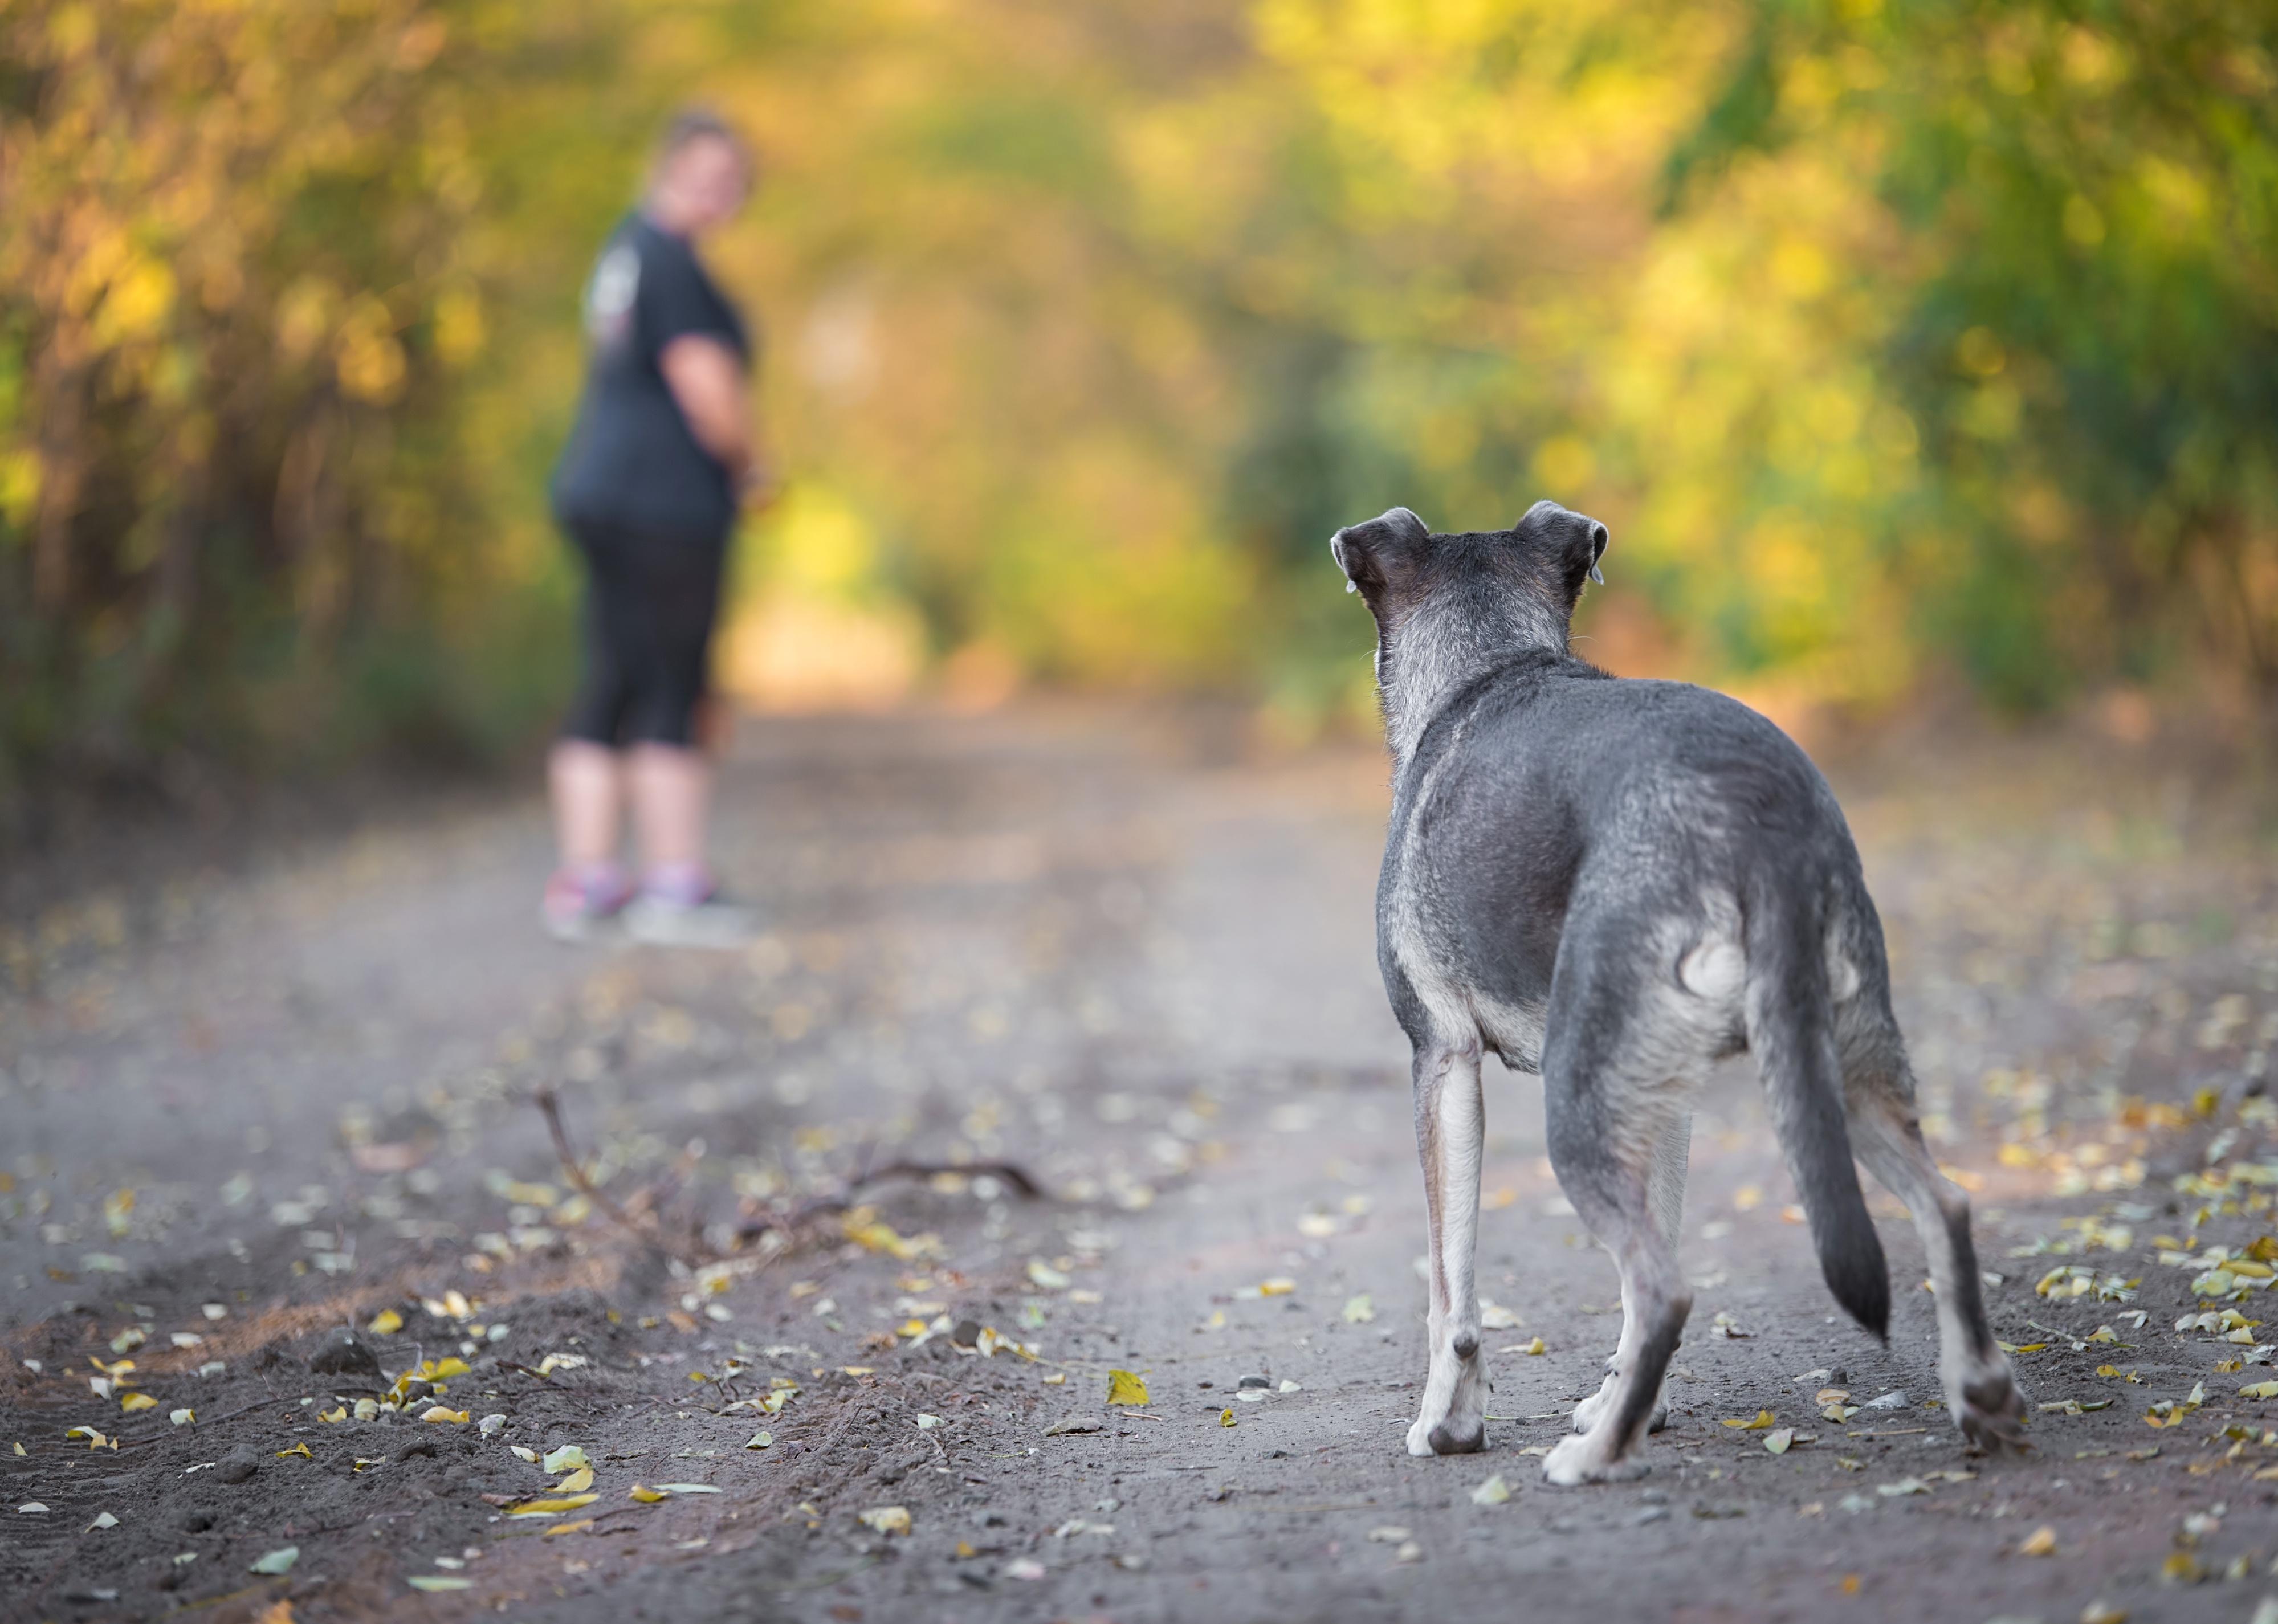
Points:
[(464, 1318)]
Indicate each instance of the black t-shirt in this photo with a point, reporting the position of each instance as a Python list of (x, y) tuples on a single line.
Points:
[(632, 461)]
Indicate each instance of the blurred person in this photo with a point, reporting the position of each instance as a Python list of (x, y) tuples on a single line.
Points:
[(647, 490)]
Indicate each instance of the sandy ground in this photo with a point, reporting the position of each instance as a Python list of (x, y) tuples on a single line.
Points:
[(239, 1110)]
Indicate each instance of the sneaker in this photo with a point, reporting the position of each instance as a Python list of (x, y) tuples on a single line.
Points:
[(687, 911), (580, 902)]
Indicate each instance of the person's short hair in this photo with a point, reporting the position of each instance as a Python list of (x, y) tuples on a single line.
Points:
[(691, 125)]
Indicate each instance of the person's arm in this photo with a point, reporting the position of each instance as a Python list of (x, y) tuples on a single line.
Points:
[(707, 380)]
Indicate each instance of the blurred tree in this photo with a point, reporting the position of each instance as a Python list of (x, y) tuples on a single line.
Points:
[(1890, 337), (2075, 256), (230, 310)]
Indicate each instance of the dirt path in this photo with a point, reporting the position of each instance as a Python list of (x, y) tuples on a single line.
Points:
[(1113, 949)]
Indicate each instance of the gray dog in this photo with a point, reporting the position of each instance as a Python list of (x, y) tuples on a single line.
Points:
[(1615, 884)]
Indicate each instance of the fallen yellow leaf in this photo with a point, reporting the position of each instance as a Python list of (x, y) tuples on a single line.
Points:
[(138, 1401), (576, 1482), (2041, 1541), (438, 1413), (386, 1323), (301, 1449), (337, 1413), (567, 1528), (1127, 1387), (551, 1506), (1764, 1419), (1225, 1418), (877, 1237), (645, 1495)]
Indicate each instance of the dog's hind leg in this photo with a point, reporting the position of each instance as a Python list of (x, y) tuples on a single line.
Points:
[(1665, 1190), (1450, 1132), (1654, 1304), (1670, 1156), (1612, 1103), (1981, 1390)]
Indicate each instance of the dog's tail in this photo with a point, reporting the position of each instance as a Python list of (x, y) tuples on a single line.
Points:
[(1791, 1032)]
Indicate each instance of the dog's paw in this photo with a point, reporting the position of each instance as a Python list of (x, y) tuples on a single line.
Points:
[(1448, 1437), (1659, 1421), (1577, 1460), (1991, 1412), (1455, 1437)]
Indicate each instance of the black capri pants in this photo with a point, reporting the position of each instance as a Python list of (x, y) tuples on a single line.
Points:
[(650, 602)]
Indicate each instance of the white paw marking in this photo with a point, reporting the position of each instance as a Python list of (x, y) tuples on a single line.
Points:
[(1579, 1460)]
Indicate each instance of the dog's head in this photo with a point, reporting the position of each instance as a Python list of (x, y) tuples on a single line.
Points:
[(1446, 604)]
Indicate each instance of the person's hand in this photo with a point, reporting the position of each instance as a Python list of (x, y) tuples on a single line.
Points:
[(758, 489)]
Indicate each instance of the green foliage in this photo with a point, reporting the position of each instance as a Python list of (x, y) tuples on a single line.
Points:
[(232, 315), (1889, 337), (2080, 203)]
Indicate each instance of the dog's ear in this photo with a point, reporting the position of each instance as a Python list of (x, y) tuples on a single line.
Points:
[(1575, 540), (1380, 554)]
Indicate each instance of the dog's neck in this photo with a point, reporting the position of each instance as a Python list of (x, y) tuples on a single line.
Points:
[(1436, 650)]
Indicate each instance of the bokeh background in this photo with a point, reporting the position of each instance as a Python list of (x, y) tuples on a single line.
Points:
[(1912, 348)]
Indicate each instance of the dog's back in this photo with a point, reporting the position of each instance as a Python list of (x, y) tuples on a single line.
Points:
[(1548, 786)]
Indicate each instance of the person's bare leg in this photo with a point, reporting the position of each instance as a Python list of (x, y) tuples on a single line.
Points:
[(586, 796), (671, 792), (586, 886), (679, 905)]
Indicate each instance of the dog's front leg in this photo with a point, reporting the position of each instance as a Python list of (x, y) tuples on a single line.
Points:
[(1450, 1129)]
